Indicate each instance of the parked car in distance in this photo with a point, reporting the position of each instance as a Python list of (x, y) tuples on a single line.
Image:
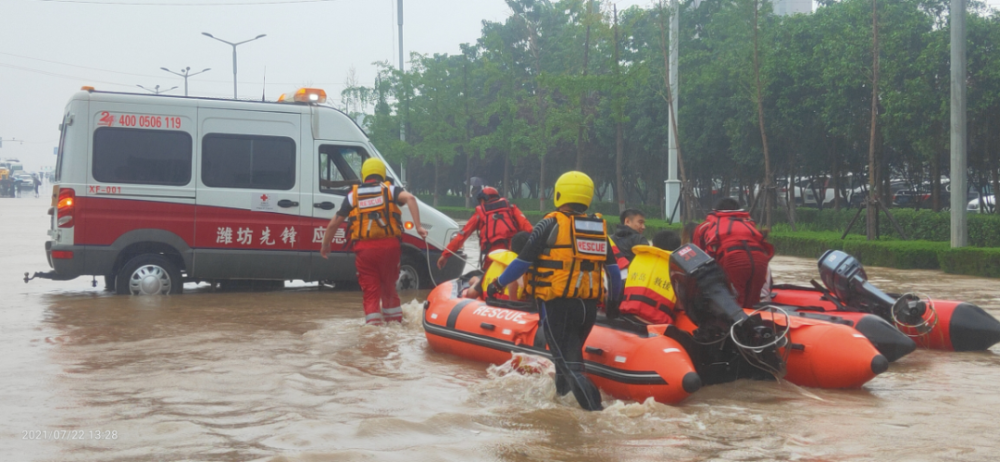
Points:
[(24, 181), (989, 205)]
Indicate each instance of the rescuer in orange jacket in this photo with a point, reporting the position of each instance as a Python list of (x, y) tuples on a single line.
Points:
[(372, 209), (566, 258), (730, 236), (496, 220)]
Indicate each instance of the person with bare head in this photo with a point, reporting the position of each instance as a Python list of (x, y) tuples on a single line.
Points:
[(628, 234)]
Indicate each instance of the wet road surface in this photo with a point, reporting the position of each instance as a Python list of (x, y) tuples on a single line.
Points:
[(293, 375)]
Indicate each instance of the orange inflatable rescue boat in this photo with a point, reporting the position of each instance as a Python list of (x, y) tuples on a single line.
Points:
[(715, 341), (621, 359), (847, 295), (806, 351)]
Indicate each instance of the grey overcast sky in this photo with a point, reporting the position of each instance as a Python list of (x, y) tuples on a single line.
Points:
[(49, 49)]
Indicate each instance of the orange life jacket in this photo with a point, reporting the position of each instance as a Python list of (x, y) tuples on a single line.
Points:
[(648, 292), (497, 224), (375, 214), (572, 264)]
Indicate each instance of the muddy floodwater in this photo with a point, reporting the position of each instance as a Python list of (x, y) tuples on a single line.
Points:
[(293, 375)]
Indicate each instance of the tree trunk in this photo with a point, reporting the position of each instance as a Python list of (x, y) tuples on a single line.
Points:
[(437, 182), (790, 192), (468, 181), (768, 184), (541, 186), (506, 175), (468, 135), (837, 193), (619, 135), (583, 95), (871, 215), (995, 174), (936, 181)]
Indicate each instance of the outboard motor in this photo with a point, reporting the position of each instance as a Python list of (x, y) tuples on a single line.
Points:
[(845, 278), (703, 291), (705, 295)]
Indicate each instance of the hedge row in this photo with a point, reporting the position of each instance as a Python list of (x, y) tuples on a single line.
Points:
[(972, 261), (915, 254), (984, 229), (890, 253)]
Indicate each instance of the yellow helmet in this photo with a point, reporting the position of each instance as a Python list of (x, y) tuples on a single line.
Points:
[(573, 188), (372, 166)]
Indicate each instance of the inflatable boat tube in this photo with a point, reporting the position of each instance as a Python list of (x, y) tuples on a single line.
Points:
[(959, 326), (624, 360), (821, 353)]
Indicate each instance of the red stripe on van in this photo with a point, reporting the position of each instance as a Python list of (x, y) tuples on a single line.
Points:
[(101, 221)]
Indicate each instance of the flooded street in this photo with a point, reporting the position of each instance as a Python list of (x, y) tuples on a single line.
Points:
[(293, 375)]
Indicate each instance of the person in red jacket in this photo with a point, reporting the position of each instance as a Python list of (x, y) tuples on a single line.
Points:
[(496, 220), (730, 236)]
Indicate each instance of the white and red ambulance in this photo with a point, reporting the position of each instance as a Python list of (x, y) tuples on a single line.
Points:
[(152, 191)]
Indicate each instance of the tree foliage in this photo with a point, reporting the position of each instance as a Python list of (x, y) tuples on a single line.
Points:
[(517, 107)]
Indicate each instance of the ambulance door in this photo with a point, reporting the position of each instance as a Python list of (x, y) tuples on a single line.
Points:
[(338, 168), (249, 204)]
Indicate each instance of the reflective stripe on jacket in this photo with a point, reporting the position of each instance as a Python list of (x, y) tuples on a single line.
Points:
[(572, 264), (375, 214)]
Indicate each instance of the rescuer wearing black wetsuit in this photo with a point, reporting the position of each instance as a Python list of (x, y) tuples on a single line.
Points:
[(565, 258)]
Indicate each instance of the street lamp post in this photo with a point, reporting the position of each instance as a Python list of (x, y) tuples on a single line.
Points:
[(186, 72), (156, 90), (206, 34)]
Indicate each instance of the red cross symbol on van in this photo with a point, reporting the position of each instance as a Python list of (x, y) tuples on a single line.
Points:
[(263, 197)]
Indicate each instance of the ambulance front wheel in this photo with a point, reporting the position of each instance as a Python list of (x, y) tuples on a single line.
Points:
[(412, 273), (149, 274)]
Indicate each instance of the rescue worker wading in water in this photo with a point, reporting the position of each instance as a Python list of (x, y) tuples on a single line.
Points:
[(496, 220), (565, 258), (730, 236), (372, 210)]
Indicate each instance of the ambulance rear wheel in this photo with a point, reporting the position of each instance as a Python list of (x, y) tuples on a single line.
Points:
[(412, 274), (149, 274)]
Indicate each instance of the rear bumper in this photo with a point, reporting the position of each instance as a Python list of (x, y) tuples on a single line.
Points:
[(83, 261)]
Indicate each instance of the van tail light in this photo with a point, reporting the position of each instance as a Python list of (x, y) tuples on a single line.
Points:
[(62, 254), (66, 208)]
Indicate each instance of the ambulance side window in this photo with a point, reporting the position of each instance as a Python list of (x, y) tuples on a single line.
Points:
[(138, 156), (248, 161), (339, 167)]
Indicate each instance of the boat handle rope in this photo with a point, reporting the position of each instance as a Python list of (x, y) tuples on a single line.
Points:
[(778, 338), (926, 324), (427, 247)]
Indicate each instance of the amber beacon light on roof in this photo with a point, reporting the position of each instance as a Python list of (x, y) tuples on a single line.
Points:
[(305, 95)]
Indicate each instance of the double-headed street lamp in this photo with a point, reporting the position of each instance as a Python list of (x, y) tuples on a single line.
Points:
[(155, 90), (206, 34), (186, 72)]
